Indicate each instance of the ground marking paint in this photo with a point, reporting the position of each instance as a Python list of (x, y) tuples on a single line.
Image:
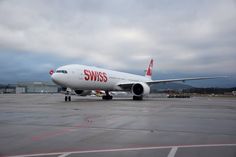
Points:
[(124, 149), (64, 155), (172, 152)]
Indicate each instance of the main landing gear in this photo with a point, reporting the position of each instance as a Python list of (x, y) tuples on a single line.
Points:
[(67, 96), (107, 96), (137, 97)]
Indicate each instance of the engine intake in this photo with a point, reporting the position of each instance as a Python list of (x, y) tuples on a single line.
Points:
[(140, 89)]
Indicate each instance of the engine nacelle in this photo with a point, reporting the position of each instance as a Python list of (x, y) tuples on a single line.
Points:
[(83, 92), (140, 89)]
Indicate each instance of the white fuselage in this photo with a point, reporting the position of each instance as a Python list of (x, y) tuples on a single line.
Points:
[(81, 77)]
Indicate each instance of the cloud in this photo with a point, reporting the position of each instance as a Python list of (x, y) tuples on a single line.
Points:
[(185, 36)]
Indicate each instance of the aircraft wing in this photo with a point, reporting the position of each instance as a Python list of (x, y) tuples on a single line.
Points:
[(182, 79), (128, 86)]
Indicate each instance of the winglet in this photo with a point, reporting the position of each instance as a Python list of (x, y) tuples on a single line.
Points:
[(149, 70)]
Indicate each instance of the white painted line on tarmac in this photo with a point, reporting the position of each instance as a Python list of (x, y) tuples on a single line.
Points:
[(32, 155), (172, 152), (64, 155), (206, 145), (124, 149)]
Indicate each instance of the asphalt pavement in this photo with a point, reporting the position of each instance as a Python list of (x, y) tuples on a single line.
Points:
[(45, 125)]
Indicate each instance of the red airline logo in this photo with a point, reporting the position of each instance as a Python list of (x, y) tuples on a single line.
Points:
[(51, 72), (95, 76)]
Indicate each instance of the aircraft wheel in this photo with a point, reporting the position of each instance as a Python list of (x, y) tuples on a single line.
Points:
[(107, 97), (137, 98), (69, 98), (65, 98)]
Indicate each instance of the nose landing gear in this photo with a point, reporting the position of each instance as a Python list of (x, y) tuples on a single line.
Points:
[(67, 96)]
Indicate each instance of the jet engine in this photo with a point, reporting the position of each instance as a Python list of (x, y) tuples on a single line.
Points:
[(140, 89), (83, 92)]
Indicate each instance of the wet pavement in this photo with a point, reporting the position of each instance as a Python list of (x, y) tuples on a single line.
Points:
[(45, 125)]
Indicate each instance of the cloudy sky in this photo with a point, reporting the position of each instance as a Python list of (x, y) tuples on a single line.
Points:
[(185, 37)]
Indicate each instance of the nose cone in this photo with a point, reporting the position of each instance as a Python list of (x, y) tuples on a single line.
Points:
[(60, 79), (55, 78)]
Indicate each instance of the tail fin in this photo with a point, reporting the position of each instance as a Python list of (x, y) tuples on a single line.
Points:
[(149, 70)]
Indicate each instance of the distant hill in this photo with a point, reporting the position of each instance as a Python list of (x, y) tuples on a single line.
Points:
[(169, 86), (210, 90)]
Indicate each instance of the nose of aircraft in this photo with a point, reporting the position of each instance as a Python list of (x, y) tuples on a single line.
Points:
[(54, 78), (59, 77)]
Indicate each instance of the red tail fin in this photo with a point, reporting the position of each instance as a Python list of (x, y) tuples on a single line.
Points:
[(149, 70)]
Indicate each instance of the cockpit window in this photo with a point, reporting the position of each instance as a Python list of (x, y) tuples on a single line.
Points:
[(61, 71)]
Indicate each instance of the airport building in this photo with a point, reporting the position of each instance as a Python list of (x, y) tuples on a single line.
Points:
[(30, 87), (36, 87), (9, 88)]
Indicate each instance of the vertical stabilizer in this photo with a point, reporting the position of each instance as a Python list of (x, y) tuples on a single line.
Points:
[(149, 70)]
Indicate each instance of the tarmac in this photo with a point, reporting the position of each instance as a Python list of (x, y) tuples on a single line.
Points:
[(45, 125)]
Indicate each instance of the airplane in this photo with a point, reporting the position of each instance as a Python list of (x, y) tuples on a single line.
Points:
[(84, 79)]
